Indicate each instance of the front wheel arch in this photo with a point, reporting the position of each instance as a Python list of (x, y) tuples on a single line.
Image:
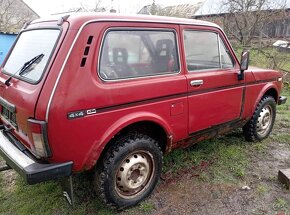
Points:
[(262, 121), (271, 90)]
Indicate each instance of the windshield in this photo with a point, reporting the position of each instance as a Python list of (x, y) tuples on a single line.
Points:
[(30, 44)]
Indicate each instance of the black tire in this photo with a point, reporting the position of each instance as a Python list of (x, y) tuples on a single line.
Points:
[(261, 124), (130, 171)]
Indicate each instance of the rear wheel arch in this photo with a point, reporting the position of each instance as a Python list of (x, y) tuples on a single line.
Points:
[(150, 128), (154, 127)]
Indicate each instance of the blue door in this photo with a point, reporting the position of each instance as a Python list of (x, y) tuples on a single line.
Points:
[(6, 41)]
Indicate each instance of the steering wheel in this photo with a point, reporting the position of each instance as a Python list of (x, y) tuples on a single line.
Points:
[(108, 73)]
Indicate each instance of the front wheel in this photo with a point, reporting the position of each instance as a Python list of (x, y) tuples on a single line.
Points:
[(262, 121), (130, 171)]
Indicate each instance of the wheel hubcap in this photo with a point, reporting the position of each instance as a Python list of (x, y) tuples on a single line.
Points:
[(264, 120), (134, 174)]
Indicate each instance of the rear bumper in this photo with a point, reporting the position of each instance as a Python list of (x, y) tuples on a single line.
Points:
[(32, 171), (282, 100)]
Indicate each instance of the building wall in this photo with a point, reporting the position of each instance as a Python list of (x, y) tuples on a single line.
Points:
[(278, 28), (275, 28), (6, 41)]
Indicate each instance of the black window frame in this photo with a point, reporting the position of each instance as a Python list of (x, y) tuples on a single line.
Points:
[(219, 38), (23, 78), (227, 51), (139, 29)]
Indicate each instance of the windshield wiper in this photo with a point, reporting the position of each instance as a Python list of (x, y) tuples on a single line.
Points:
[(24, 68), (28, 64)]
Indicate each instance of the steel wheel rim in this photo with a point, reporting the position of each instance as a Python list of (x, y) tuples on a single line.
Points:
[(264, 121), (134, 174)]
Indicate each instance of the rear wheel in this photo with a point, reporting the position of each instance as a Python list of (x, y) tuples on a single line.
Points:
[(262, 121), (130, 171)]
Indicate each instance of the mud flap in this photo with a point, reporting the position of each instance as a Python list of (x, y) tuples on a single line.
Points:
[(67, 187)]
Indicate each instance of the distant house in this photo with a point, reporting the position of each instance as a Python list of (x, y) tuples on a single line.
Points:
[(182, 10), (145, 10), (6, 41), (279, 27)]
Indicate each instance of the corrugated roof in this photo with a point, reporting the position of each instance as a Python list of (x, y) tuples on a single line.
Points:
[(9, 33), (211, 7)]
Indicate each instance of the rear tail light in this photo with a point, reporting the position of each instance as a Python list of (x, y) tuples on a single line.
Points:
[(38, 137)]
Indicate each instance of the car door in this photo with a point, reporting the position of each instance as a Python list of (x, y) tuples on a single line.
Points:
[(214, 91)]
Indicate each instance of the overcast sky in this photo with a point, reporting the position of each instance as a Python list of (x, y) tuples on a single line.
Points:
[(44, 8)]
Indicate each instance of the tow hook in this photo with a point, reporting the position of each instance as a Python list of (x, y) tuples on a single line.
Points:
[(4, 168), (5, 128)]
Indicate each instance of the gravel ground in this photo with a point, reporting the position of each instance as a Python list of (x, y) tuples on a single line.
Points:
[(264, 194)]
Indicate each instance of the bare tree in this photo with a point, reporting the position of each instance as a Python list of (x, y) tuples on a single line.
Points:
[(155, 9), (245, 18), (13, 14), (96, 7)]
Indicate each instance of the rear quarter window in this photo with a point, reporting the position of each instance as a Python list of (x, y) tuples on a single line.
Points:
[(138, 53)]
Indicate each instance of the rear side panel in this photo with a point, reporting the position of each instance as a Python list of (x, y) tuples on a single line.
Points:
[(24, 94), (89, 112)]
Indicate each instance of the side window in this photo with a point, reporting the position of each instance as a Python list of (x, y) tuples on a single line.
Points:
[(226, 60), (204, 50), (138, 53)]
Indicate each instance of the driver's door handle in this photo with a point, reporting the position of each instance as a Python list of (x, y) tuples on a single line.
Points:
[(196, 83)]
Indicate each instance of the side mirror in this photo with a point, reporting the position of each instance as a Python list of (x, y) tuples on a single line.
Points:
[(244, 64)]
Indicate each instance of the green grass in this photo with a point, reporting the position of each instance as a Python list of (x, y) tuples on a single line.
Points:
[(281, 138), (260, 147), (267, 57), (146, 207), (24, 199), (280, 204), (224, 157), (221, 160), (46, 198), (261, 189)]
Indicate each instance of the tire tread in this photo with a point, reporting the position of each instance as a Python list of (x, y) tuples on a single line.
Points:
[(249, 128), (103, 172)]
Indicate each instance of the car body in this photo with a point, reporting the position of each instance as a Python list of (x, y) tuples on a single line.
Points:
[(93, 79)]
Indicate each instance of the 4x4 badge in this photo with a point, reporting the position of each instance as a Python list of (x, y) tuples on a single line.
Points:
[(76, 114), (82, 113)]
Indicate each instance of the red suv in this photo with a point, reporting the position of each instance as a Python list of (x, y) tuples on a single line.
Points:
[(114, 93)]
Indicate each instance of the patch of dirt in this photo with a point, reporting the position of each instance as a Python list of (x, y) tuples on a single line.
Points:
[(187, 194), (8, 179)]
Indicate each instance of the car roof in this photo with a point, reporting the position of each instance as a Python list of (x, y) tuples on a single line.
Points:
[(77, 20)]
